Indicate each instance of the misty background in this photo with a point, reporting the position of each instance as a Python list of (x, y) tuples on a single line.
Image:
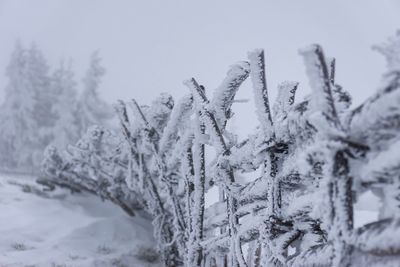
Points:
[(149, 47)]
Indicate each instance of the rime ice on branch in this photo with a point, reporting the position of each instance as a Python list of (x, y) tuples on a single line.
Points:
[(316, 156)]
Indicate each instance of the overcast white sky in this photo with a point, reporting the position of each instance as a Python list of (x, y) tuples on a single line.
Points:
[(151, 46)]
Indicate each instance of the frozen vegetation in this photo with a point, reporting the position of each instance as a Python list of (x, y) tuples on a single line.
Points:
[(313, 163)]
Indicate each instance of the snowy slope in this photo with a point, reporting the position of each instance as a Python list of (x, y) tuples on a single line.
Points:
[(69, 230)]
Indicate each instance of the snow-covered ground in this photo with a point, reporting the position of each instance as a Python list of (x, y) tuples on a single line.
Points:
[(66, 230), (63, 230)]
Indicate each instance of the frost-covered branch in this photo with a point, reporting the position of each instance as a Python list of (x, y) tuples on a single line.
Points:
[(309, 162)]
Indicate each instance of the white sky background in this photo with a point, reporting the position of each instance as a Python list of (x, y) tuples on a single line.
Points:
[(150, 47)]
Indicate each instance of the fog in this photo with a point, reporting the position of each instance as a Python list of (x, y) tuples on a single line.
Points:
[(150, 47)]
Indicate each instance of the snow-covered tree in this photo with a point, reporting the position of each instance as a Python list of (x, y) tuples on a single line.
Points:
[(15, 114), (66, 128), (26, 114), (92, 109)]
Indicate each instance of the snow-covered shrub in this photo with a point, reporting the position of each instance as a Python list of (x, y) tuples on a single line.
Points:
[(96, 164), (316, 157)]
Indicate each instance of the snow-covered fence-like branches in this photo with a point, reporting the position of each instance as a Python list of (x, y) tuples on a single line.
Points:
[(314, 158)]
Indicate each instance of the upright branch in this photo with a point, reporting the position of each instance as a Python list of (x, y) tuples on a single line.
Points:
[(284, 100), (179, 116), (320, 82), (257, 67), (332, 69), (340, 182), (224, 95), (224, 170)]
